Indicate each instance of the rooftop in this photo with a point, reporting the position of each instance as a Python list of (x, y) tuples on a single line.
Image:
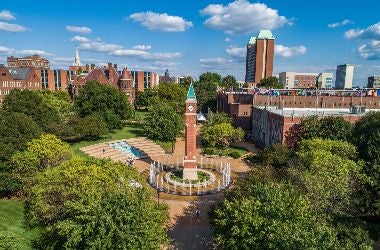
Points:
[(305, 112), (191, 93), (265, 34), (20, 73)]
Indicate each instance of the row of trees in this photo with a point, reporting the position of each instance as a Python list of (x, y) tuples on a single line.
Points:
[(27, 114), (311, 193)]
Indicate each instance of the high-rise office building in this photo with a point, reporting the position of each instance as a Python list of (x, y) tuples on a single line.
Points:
[(344, 76), (259, 58), (373, 82)]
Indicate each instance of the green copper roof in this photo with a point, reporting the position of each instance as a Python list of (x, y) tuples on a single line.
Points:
[(191, 92), (265, 34), (252, 41)]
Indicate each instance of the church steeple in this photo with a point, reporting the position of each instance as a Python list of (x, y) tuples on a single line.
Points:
[(77, 60), (191, 93)]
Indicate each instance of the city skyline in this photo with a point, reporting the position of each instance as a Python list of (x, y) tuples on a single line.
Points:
[(196, 36)]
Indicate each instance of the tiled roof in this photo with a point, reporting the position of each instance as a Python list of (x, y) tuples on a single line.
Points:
[(20, 73)]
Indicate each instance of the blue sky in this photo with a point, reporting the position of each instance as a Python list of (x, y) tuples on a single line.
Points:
[(193, 36)]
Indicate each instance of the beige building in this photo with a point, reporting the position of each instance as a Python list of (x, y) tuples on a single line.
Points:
[(344, 76), (295, 80), (34, 61)]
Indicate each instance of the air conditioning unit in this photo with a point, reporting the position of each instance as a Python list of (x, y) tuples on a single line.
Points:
[(358, 110)]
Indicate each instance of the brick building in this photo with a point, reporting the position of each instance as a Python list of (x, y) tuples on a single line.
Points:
[(17, 78), (259, 57), (145, 80), (34, 61), (239, 105), (270, 124)]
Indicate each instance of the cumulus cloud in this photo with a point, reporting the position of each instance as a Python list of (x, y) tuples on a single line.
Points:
[(80, 39), (237, 53), (165, 64), (216, 63), (371, 50), (77, 29), (371, 32), (161, 22), (145, 55), (284, 51), (11, 27), (100, 47), (241, 16), (227, 39), (339, 24), (11, 51), (142, 47), (7, 15)]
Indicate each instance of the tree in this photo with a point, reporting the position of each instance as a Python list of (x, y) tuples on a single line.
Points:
[(366, 137), (94, 204), (335, 128), (47, 151), (229, 82), (270, 82), (277, 156), (144, 98), (221, 135), (56, 100), (173, 94), (210, 77), (187, 80), (217, 118), (16, 129), (163, 123), (329, 178), (270, 216), (106, 101), (31, 103)]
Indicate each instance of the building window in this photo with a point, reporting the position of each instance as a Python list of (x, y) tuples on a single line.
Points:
[(3, 74), (57, 79)]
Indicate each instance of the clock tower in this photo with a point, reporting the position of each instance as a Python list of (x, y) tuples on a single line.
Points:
[(189, 160)]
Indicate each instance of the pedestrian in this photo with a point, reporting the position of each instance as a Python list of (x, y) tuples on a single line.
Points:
[(104, 150), (197, 212)]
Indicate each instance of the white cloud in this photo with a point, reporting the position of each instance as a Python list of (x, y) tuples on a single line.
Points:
[(80, 39), (371, 32), (217, 63), (165, 64), (11, 51), (283, 51), (161, 22), (227, 39), (129, 53), (145, 55), (77, 29), (142, 47), (99, 47), (34, 52), (237, 53), (371, 50), (241, 16), (11, 27), (7, 15), (339, 24)]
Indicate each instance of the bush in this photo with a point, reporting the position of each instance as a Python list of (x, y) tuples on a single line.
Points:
[(209, 151), (276, 155), (234, 154)]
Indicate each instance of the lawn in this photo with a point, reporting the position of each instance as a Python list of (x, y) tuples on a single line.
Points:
[(12, 224), (129, 131)]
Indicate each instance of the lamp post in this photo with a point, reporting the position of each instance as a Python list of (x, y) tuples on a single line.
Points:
[(158, 195)]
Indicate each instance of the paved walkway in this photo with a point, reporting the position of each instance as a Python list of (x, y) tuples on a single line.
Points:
[(186, 231)]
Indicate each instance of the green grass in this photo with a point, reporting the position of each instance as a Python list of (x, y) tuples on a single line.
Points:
[(12, 223), (129, 131), (178, 176)]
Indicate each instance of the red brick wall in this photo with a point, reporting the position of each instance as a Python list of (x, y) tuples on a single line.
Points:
[(269, 58), (259, 60), (190, 134)]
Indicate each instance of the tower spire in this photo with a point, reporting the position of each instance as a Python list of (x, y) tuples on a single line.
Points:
[(77, 60)]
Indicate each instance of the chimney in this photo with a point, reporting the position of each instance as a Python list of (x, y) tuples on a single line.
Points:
[(115, 66), (92, 66), (110, 75), (87, 68)]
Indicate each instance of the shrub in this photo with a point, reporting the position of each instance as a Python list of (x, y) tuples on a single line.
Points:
[(234, 154)]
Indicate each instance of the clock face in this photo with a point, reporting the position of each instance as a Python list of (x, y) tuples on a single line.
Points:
[(190, 108)]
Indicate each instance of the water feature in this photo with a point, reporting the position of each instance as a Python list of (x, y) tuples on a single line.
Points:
[(126, 148)]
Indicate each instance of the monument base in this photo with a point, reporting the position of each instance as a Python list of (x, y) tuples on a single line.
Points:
[(190, 174)]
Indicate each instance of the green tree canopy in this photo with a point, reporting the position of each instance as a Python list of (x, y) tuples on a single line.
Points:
[(206, 90), (93, 204), (57, 100), (229, 82), (221, 135), (33, 104), (44, 152), (163, 123), (210, 77), (270, 82), (217, 118), (16, 129), (103, 100)]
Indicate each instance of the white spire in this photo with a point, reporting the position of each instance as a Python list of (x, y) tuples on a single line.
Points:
[(77, 60)]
